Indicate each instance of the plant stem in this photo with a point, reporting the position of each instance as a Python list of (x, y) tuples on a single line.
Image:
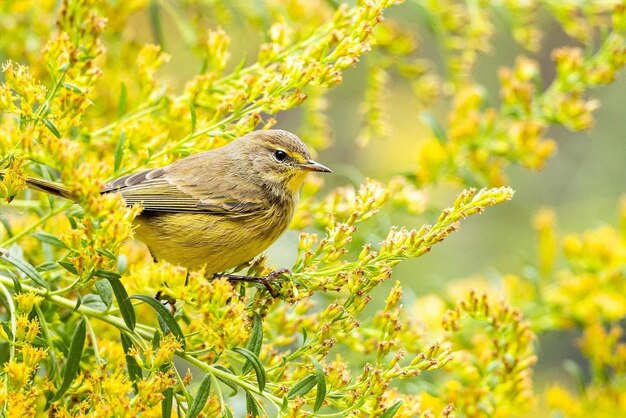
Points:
[(227, 376), (142, 332), (35, 225)]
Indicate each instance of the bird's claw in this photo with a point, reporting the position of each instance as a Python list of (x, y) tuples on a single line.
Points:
[(263, 280)]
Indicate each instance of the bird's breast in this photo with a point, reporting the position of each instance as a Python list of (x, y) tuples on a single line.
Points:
[(218, 241)]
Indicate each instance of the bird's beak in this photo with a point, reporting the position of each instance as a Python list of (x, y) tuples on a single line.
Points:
[(314, 166)]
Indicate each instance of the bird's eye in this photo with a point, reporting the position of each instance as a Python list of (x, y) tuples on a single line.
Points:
[(280, 155)]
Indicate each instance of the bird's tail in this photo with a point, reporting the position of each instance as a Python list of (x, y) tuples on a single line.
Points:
[(50, 187), (46, 186)]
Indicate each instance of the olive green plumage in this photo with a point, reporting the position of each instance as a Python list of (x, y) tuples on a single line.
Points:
[(218, 208)]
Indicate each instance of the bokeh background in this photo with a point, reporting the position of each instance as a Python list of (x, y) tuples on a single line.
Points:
[(582, 183)]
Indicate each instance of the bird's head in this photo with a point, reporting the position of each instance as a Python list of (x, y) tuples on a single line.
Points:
[(279, 157)]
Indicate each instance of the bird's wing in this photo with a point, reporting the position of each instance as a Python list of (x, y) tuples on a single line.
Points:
[(156, 193)]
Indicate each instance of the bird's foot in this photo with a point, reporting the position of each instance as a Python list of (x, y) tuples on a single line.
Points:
[(263, 280)]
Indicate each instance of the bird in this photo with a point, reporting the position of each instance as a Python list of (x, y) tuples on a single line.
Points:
[(216, 209)]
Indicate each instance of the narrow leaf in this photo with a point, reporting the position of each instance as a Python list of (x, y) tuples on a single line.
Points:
[(105, 274), (256, 365), (23, 266), (255, 342), (134, 370), (16, 280), (46, 266), (119, 151), (94, 302), (106, 253), (68, 266), (49, 239), (155, 23), (52, 127), (165, 315), (391, 411), (7, 329), (303, 387), (166, 405), (126, 307), (320, 376), (73, 358), (252, 407), (201, 396), (105, 291), (156, 340), (73, 87)]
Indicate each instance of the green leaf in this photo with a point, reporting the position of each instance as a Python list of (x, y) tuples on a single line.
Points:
[(49, 239), (255, 342), (303, 387), (7, 329), (73, 358), (94, 302), (105, 274), (155, 23), (305, 335), (228, 383), (106, 253), (201, 396), (121, 103), (256, 365), (68, 266), (126, 307), (52, 127), (16, 280), (165, 315), (105, 291), (320, 376), (156, 340), (46, 266), (119, 151), (73, 87), (166, 405), (134, 370), (79, 301), (252, 406), (391, 411), (28, 269)]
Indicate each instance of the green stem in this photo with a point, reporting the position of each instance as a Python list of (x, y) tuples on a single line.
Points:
[(94, 341), (227, 376), (11, 307), (54, 372), (35, 225), (25, 204), (186, 393), (131, 117)]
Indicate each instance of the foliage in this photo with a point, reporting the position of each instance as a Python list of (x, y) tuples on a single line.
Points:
[(87, 100)]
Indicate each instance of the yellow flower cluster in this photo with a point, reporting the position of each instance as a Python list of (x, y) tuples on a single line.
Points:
[(75, 344)]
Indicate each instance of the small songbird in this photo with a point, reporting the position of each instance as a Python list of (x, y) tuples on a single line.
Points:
[(218, 208)]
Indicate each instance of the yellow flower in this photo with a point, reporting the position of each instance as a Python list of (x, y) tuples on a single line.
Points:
[(31, 355), (17, 374), (165, 352), (26, 301)]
